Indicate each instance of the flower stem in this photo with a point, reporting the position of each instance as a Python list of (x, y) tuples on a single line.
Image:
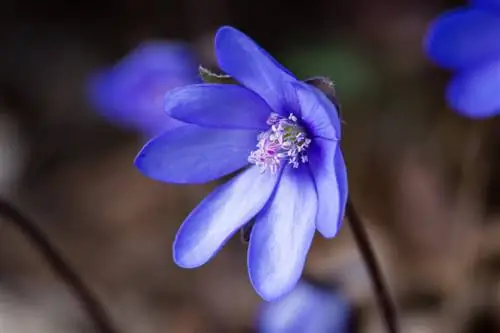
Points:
[(379, 286), (60, 266)]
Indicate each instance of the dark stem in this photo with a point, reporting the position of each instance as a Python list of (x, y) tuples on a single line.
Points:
[(60, 266), (379, 287)]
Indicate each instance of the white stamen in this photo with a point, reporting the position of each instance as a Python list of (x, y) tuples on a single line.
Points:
[(285, 140)]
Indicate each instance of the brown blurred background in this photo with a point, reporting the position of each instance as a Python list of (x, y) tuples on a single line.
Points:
[(424, 179)]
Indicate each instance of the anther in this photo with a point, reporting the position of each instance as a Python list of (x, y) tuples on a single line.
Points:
[(286, 141)]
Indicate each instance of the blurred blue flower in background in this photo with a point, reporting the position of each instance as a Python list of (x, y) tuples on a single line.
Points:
[(306, 309), (285, 132), (131, 94), (467, 40)]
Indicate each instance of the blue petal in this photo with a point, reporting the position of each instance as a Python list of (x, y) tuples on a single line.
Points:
[(161, 57), (475, 93), (329, 173), (487, 4), (217, 217), (191, 154), (306, 309), (318, 112), (218, 106), (131, 93), (138, 107), (464, 37), (282, 235), (240, 57), (341, 175)]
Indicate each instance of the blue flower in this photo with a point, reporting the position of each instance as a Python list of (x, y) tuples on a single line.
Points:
[(131, 93), (467, 40), (306, 309), (283, 133)]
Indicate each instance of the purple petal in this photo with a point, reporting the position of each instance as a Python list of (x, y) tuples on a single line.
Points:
[(475, 93), (282, 235), (329, 173), (464, 37), (191, 154), (306, 309), (218, 106), (222, 213), (318, 112), (240, 57), (131, 94)]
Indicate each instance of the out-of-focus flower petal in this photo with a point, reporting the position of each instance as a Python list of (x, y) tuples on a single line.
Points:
[(306, 309), (282, 235), (318, 112), (191, 154), (329, 173), (220, 214), (219, 106), (487, 4), (131, 94), (242, 58), (476, 92), (464, 37)]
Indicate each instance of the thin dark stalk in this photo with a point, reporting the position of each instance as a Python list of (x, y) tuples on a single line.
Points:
[(60, 266), (379, 287)]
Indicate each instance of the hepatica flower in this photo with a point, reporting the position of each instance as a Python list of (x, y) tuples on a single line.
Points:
[(467, 41), (131, 93), (306, 309), (284, 136)]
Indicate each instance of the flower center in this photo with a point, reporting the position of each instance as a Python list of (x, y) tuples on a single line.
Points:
[(285, 140)]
